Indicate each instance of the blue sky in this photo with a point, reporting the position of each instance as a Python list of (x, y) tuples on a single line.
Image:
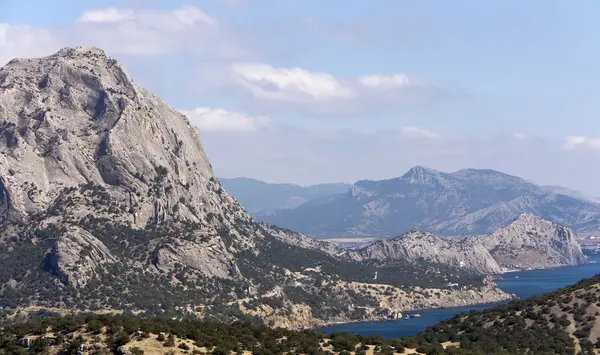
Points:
[(313, 91)]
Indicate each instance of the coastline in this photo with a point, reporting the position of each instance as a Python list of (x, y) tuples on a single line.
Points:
[(424, 311), (569, 274), (391, 304)]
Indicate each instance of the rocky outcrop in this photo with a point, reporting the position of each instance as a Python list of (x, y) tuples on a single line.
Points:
[(465, 202), (417, 246), (209, 256), (78, 257), (76, 118), (531, 242)]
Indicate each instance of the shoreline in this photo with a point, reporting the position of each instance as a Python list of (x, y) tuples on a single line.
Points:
[(424, 310), (489, 291), (483, 305)]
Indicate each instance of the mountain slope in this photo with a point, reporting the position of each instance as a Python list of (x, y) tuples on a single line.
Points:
[(563, 322), (256, 195), (416, 246), (530, 242), (569, 192), (109, 203), (566, 321), (465, 202)]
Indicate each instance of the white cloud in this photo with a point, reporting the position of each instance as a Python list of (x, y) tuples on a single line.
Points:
[(216, 119), (126, 31), (151, 32), (324, 93), (182, 18), (573, 142), (290, 84), (25, 41), (222, 57), (110, 14), (416, 132), (520, 136), (385, 81)]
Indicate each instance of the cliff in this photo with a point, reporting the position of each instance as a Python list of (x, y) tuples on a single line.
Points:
[(416, 246), (531, 242)]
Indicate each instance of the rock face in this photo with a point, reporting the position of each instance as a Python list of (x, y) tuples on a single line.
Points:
[(108, 202), (79, 139), (76, 118), (465, 202), (77, 257), (416, 246), (532, 243)]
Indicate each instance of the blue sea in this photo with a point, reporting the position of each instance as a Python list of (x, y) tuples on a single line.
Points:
[(522, 283)]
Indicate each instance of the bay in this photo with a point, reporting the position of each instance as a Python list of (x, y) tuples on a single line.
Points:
[(522, 283)]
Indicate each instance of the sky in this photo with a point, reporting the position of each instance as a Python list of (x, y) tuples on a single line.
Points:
[(337, 91)]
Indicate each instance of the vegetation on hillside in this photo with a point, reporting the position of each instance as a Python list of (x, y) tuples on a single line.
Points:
[(29, 275), (566, 321)]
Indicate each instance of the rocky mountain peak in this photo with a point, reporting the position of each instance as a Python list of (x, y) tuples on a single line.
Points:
[(533, 242), (76, 118), (420, 175), (418, 245), (81, 51), (80, 144), (530, 218)]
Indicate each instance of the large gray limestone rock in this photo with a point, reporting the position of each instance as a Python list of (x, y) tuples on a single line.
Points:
[(416, 246), (531, 242)]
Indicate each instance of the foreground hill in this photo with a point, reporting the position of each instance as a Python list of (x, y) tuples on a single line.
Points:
[(566, 321), (256, 195), (109, 203), (465, 202)]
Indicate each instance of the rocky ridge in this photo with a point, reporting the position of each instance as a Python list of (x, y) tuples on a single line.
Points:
[(532, 243), (426, 246), (109, 203), (465, 202)]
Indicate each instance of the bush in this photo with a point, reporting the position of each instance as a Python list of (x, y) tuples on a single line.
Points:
[(122, 338)]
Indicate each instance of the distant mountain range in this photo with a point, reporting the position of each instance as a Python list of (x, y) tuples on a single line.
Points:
[(256, 195), (465, 202)]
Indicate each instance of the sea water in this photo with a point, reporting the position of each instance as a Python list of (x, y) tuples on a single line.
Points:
[(522, 283)]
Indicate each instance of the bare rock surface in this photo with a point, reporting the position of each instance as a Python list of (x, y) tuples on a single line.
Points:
[(419, 245), (532, 243)]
